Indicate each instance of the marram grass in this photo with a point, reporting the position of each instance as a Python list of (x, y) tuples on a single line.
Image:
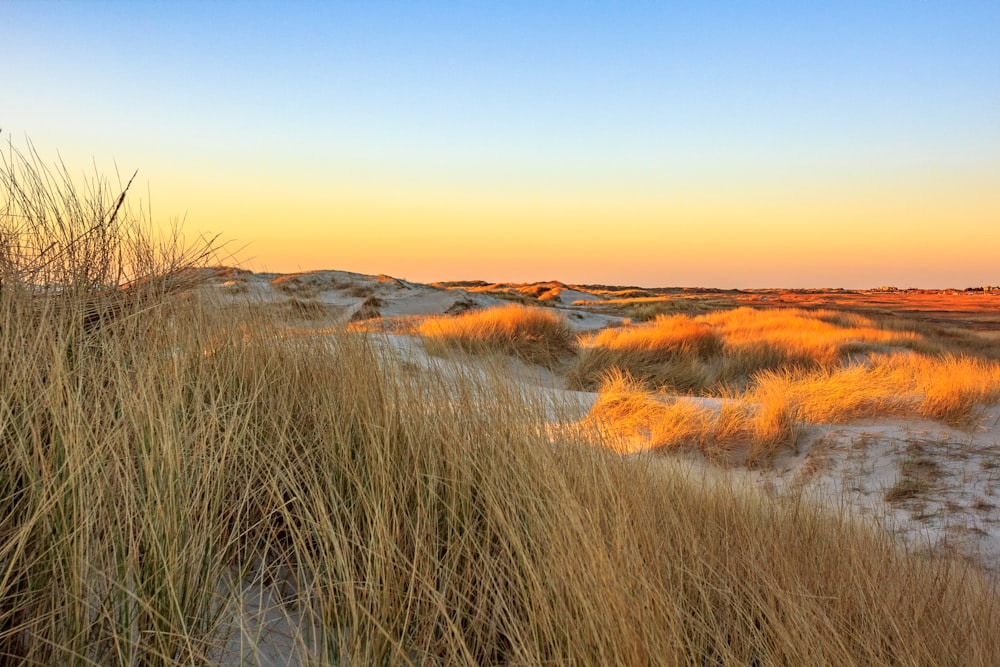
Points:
[(174, 491), (534, 335)]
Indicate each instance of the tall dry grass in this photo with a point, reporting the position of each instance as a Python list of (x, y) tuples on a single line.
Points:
[(391, 522), (534, 335), (176, 491), (83, 284)]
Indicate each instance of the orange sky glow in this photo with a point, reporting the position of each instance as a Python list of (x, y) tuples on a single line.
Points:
[(654, 144)]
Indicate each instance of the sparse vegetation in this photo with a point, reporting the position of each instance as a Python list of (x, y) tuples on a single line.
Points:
[(906, 488), (309, 309), (368, 309), (297, 285), (644, 310)]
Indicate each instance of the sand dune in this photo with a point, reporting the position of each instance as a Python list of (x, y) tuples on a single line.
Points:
[(934, 485)]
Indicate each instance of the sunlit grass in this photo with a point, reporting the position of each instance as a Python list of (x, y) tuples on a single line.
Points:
[(765, 418), (773, 370), (804, 338), (726, 348), (946, 388), (532, 334), (631, 417)]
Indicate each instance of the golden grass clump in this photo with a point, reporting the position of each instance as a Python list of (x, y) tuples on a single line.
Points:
[(771, 371), (945, 388), (803, 338), (765, 417), (532, 334), (630, 417), (670, 352), (669, 336)]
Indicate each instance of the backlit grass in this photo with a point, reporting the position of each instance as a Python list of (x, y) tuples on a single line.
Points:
[(726, 348), (631, 417), (946, 388), (774, 370), (532, 334)]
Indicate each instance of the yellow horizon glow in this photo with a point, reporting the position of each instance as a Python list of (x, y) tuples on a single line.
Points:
[(722, 233)]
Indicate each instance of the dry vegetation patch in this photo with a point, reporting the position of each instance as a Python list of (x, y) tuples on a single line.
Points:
[(804, 338), (299, 285), (945, 388), (368, 309), (629, 417), (532, 334), (726, 348), (775, 369), (309, 309), (671, 352)]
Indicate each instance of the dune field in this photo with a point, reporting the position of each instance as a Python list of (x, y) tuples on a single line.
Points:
[(499, 334), (877, 442), (205, 465)]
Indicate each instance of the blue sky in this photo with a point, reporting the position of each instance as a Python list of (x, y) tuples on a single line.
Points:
[(323, 134)]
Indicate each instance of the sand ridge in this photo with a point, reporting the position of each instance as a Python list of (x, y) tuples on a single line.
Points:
[(935, 486)]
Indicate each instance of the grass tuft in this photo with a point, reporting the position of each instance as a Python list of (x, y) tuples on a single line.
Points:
[(947, 388), (531, 334), (629, 417)]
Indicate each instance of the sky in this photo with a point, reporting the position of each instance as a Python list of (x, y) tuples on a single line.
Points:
[(713, 144)]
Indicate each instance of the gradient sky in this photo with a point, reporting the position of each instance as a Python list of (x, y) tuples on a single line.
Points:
[(720, 144)]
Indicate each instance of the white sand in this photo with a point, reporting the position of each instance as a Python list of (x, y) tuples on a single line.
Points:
[(953, 478)]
